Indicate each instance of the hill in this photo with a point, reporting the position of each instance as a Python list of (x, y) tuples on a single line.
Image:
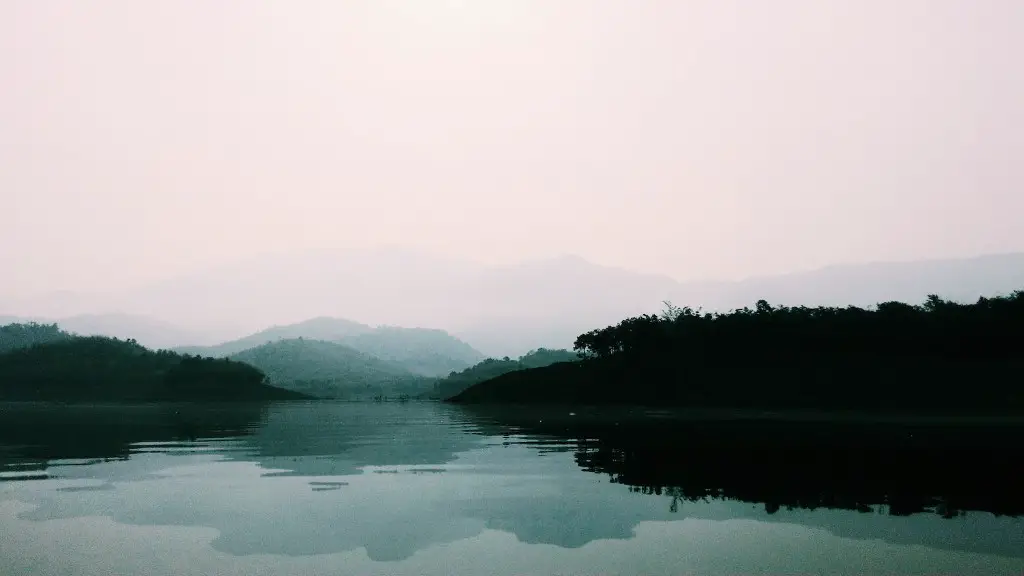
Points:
[(331, 370), (938, 357), (321, 328), (491, 368), (80, 369), (417, 350), (422, 351)]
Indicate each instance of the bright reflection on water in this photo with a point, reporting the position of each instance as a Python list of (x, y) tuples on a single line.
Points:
[(331, 488)]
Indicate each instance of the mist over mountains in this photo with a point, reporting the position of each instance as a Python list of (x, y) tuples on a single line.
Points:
[(499, 310), (418, 351)]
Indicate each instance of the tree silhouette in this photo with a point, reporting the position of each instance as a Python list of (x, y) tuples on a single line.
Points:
[(937, 356)]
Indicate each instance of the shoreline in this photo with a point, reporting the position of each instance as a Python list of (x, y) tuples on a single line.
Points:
[(589, 412)]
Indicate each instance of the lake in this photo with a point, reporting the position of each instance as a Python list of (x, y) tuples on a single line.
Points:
[(427, 488)]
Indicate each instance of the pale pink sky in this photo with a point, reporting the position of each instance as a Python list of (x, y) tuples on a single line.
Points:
[(141, 139)]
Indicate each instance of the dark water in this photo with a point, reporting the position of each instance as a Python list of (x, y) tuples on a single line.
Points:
[(344, 488)]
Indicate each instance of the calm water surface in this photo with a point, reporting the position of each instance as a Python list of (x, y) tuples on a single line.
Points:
[(420, 488)]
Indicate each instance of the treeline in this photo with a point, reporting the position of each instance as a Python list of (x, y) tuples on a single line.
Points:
[(490, 368), (15, 336), (937, 356), (70, 369)]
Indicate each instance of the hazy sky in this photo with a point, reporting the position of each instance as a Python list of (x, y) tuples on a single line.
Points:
[(141, 138)]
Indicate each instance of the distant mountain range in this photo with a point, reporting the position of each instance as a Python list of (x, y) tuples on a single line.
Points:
[(417, 351), (322, 357), (323, 328), (499, 310)]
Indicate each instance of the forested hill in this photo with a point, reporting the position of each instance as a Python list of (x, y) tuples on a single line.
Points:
[(332, 370), (490, 368), (939, 356), (75, 369)]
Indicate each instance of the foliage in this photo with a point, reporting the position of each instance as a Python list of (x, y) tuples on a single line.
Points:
[(940, 355), (15, 336)]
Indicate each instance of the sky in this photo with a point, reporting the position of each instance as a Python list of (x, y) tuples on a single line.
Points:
[(143, 139)]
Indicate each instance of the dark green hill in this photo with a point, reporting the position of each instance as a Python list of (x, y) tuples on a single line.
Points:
[(331, 370), (939, 357), (80, 369), (491, 368), (420, 351)]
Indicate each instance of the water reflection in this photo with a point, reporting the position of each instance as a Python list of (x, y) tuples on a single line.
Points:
[(33, 435), (870, 480), (339, 438), (392, 480)]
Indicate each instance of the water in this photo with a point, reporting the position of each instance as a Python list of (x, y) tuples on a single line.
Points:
[(418, 488)]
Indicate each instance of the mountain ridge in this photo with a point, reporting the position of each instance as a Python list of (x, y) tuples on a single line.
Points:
[(511, 309), (421, 351)]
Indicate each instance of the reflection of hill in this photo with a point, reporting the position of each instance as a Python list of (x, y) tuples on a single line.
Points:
[(32, 435), (408, 476), (280, 505), (328, 438)]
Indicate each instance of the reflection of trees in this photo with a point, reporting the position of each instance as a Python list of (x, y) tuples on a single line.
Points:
[(944, 471), (898, 469)]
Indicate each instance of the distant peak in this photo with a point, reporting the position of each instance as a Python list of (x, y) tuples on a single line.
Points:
[(572, 258), (563, 260)]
